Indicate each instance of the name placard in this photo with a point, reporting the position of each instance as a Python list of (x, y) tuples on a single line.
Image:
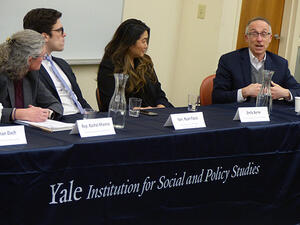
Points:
[(252, 114), (94, 127), (186, 120), (12, 135)]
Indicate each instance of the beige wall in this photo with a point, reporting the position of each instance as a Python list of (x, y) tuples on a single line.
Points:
[(201, 42), (163, 17), (186, 49), (290, 33)]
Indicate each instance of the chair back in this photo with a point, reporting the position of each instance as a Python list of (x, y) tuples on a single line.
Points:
[(98, 99), (206, 90)]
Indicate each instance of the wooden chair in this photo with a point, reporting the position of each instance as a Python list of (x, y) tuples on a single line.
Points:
[(98, 99), (206, 90)]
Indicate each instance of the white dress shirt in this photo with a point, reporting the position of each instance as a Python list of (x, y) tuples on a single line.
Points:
[(66, 100)]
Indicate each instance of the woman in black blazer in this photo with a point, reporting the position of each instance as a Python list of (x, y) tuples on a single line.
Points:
[(125, 53)]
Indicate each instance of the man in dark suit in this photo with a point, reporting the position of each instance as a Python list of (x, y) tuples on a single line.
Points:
[(63, 86), (238, 77), (34, 94)]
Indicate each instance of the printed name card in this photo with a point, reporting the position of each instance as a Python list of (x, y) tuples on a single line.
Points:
[(94, 127), (12, 135), (252, 114), (186, 120)]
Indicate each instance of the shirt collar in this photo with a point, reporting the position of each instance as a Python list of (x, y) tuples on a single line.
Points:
[(50, 56), (255, 60), (45, 62)]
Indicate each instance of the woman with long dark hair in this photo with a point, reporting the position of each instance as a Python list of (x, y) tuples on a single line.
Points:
[(125, 53)]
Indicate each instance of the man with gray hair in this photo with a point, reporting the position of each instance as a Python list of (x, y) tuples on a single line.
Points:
[(22, 94), (238, 77)]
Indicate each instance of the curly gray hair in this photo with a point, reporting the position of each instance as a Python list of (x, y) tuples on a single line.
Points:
[(16, 50)]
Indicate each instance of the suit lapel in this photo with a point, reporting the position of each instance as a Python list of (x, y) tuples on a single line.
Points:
[(11, 91), (27, 92), (245, 65), (269, 65), (46, 77)]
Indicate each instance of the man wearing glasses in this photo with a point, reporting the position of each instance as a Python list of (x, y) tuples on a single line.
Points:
[(56, 73), (238, 77)]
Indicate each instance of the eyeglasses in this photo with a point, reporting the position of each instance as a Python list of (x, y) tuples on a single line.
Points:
[(60, 30), (40, 56), (256, 34), (43, 56)]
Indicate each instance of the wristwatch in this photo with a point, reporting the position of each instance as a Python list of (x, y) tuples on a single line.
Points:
[(51, 114)]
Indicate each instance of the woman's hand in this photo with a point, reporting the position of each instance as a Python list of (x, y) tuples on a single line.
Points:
[(150, 107), (160, 106)]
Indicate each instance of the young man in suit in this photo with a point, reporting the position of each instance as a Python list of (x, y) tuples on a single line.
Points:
[(56, 73), (238, 75)]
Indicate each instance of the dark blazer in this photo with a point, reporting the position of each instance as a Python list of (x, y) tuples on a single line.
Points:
[(234, 72), (151, 95), (46, 79), (34, 93)]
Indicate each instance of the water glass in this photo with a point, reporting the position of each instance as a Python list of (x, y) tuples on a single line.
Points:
[(134, 106), (89, 114), (297, 104), (192, 102)]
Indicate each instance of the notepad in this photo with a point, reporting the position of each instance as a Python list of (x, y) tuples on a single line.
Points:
[(48, 125)]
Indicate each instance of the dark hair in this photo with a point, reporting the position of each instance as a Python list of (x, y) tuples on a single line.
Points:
[(255, 19), (126, 35), (41, 20)]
